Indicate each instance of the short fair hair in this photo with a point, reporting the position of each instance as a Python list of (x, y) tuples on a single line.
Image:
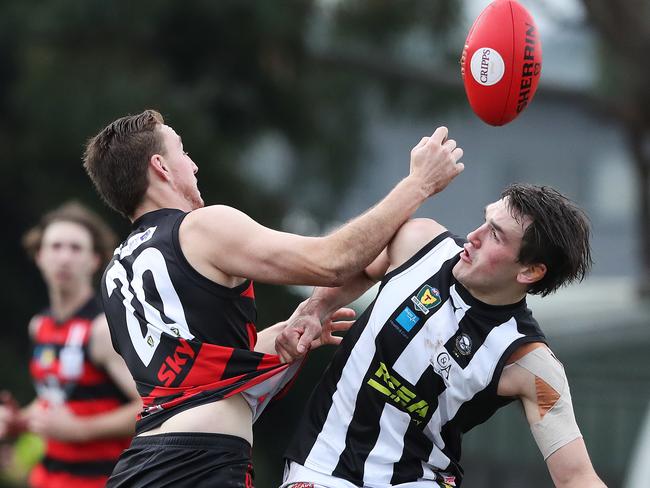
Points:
[(116, 159)]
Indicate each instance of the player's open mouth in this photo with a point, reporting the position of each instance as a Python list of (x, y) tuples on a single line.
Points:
[(464, 255)]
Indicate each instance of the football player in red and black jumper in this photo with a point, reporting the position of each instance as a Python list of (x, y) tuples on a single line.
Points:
[(179, 296)]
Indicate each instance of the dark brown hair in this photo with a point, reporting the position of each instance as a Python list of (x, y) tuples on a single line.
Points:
[(558, 235), (104, 240), (116, 159)]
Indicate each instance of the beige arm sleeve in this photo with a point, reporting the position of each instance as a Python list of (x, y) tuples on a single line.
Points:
[(556, 425)]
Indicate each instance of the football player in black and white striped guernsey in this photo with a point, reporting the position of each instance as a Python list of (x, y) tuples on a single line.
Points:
[(447, 341)]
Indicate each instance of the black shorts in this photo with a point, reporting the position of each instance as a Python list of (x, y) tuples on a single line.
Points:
[(193, 460)]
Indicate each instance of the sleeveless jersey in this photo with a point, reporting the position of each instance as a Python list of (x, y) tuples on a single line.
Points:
[(64, 374), (417, 370), (186, 340)]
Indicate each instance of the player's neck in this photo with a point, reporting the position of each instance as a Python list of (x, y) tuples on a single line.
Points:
[(155, 200), (65, 302), (499, 298)]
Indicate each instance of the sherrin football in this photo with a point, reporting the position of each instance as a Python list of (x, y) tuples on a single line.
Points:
[(501, 62)]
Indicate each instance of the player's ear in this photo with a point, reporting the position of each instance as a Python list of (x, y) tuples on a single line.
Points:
[(531, 273), (158, 165)]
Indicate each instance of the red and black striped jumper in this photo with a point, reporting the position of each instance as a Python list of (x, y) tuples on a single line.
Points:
[(64, 374), (187, 341)]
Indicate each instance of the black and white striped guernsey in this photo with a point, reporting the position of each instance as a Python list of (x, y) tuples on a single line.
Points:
[(418, 369)]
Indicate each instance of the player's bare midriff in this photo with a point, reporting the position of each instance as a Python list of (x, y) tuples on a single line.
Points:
[(230, 416)]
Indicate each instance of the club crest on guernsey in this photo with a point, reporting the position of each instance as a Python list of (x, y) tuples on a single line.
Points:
[(426, 299)]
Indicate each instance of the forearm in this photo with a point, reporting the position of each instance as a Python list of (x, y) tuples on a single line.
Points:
[(324, 301), (116, 423), (355, 245), (266, 338), (590, 480)]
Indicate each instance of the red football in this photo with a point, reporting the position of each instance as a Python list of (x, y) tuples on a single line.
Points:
[(501, 62)]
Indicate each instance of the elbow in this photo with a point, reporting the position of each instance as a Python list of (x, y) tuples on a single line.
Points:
[(333, 276), (330, 269)]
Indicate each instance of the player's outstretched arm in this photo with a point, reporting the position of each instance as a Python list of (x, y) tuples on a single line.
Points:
[(537, 378), (570, 467), (304, 326), (230, 241)]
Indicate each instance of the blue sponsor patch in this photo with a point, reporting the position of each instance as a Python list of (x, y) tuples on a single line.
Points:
[(407, 319)]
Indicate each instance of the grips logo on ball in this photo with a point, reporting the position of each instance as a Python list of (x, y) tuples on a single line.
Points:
[(503, 55)]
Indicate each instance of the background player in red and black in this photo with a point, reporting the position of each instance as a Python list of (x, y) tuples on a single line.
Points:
[(178, 296), (86, 402)]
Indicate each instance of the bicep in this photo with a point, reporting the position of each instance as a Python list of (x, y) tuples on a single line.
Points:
[(538, 380), (237, 245)]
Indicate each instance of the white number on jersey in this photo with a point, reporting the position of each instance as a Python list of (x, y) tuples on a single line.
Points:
[(152, 260)]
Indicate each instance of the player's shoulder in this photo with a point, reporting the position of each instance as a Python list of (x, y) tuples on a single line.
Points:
[(423, 226), (534, 361), (411, 237), (419, 231), (34, 324), (207, 217)]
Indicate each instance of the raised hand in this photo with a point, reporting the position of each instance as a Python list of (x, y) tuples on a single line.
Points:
[(435, 161)]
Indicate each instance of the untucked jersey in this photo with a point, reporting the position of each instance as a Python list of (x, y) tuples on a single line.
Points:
[(417, 370), (186, 340), (64, 374)]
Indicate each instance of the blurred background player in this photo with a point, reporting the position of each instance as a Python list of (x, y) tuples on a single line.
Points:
[(86, 401)]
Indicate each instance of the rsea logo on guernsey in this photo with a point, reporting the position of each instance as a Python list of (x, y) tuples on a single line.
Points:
[(399, 393)]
